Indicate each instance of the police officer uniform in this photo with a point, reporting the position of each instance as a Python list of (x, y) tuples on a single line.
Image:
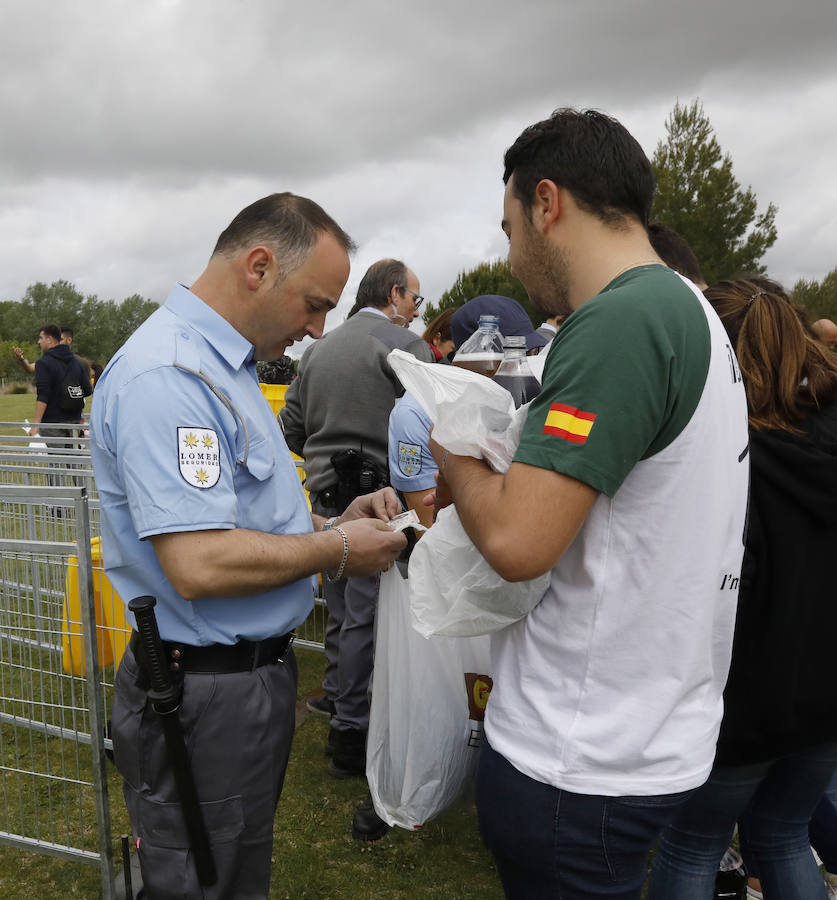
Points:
[(183, 440)]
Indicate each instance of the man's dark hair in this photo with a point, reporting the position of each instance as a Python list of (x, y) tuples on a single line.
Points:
[(674, 250), (376, 285), (290, 225), (589, 154), (51, 331), (65, 329)]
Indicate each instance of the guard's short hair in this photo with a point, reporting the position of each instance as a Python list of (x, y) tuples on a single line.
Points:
[(290, 225), (589, 154), (674, 250), (376, 285), (51, 331), (65, 329)]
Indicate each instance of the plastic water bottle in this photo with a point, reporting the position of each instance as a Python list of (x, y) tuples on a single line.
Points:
[(483, 351), (514, 373)]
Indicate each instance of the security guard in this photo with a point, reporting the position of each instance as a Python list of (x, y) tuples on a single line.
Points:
[(202, 508)]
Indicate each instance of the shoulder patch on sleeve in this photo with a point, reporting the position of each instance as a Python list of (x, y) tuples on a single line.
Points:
[(198, 456), (569, 423), (409, 458)]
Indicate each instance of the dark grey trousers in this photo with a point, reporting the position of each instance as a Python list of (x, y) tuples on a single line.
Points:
[(351, 603), (238, 729)]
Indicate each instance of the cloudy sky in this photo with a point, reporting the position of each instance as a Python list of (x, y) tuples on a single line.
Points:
[(131, 133)]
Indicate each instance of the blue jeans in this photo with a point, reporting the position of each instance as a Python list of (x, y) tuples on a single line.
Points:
[(773, 802), (548, 842), (822, 828)]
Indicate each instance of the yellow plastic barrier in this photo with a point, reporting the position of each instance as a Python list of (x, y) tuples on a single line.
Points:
[(275, 396), (112, 630)]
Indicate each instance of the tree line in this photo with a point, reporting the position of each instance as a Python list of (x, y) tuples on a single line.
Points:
[(699, 197), (100, 327)]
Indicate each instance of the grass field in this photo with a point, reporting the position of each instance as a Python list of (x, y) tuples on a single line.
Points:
[(16, 408)]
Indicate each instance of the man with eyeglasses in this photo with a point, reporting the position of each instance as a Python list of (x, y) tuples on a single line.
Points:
[(336, 417), (406, 300)]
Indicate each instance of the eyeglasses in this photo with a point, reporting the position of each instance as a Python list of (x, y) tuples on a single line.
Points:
[(417, 298)]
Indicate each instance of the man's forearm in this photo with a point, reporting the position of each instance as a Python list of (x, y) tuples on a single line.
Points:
[(40, 409), (231, 562), (238, 561)]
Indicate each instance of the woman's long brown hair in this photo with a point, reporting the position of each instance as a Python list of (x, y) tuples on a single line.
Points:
[(787, 372)]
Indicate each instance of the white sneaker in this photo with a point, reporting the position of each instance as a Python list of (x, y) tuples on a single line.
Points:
[(831, 886)]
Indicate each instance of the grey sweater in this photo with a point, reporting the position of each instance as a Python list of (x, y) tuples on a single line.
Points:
[(344, 393)]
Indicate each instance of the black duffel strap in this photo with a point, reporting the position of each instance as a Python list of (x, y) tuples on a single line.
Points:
[(221, 659)]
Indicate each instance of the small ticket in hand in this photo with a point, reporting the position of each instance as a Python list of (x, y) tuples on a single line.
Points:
[(408, 523), (408, 519)]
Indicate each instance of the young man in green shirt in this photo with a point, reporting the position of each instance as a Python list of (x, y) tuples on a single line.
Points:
[(629, 486)]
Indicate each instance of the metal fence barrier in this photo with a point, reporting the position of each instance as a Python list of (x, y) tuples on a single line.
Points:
[(52, 750), (62, 635)]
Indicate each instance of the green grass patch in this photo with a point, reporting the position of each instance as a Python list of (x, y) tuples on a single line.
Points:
[(16, 408)]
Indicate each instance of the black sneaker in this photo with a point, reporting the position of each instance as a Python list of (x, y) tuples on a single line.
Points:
[(367, 825), (322, 706)]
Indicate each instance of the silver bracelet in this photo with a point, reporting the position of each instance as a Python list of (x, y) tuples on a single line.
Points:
[(329, 523), (444, 460), (339, 573)]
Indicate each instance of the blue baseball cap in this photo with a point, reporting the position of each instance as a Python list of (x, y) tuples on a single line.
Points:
[(512, 316)]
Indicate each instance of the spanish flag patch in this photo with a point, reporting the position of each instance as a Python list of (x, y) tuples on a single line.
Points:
[(568, 422)]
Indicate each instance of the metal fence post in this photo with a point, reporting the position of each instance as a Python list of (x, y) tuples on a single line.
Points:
[(94, 692)]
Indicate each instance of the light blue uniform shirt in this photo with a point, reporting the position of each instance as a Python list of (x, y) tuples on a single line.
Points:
[(171, 454), (411, 467)]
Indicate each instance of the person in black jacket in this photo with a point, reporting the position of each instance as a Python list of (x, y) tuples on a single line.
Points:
[(777, 748), (57, 368)]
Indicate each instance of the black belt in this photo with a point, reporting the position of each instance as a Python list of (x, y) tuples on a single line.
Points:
[(221, 659)]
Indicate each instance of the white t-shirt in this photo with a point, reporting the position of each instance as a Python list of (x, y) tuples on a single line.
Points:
[(613, 684)]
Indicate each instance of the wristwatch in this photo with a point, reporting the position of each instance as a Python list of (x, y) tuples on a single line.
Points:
[(329, 523)]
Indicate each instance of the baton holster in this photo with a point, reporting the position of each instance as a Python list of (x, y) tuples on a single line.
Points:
[(357, 474)]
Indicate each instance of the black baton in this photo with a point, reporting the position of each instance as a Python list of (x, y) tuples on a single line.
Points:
[(165, 698)]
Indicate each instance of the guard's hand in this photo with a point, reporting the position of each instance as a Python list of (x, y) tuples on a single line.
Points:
[(383, 505), (18, 352), (372, 546), (33, 432)]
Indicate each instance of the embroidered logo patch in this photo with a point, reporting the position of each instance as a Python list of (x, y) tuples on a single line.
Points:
[(409, 458), (197, 456)]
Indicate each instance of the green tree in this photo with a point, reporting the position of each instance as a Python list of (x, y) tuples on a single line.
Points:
[(493, 277), (58, 303), (9, 368), (100, 326), (699, 197), (820, 297)]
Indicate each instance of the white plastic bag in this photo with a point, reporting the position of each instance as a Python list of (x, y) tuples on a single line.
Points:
[(424, 734), (453, 590), (471, 414)]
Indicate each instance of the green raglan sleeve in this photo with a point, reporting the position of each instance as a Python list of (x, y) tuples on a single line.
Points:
[(623, 378)]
